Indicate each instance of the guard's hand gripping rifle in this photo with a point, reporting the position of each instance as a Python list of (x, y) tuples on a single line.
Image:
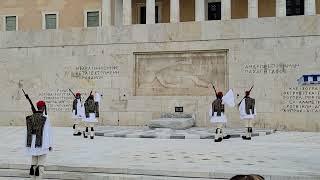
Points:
[(245, 96), (28, 98)]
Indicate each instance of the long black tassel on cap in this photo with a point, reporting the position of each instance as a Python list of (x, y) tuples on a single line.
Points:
[(45, 110)]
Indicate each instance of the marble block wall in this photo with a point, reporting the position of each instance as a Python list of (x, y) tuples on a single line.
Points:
[(144, 70)]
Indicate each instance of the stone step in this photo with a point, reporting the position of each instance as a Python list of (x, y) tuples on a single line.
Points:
[(21, 174), (17, 178), (20, 171)]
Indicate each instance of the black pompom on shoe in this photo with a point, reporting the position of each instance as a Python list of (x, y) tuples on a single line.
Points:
[(91, 137), (246, 138), (78, 134), (84, 135), (37, 173), (31, 170), (227, 137), (218, 140)]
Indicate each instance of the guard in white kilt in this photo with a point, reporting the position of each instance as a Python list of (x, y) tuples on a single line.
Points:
[(77, 113), (38, 139), (91, 115), (247, 114), (217, 114)]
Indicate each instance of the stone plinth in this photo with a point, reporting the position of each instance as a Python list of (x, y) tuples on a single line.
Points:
[(173, 121)]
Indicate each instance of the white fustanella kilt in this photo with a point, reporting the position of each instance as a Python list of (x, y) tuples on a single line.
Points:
[(80, 112), (46, 141), (217, 119), (91, 119), (243, 114), (80, 115)]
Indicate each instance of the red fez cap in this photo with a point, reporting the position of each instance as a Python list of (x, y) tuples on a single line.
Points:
[(78, 94), (41, 104), (220, 94)]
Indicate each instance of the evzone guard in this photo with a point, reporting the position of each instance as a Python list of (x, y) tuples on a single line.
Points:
[(217, 113), (91, 114), (38, 138), (247, 113), (77, 113)]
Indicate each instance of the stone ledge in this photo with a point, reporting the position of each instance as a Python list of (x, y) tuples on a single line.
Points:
[(163, 133), (172, 123), (176, 115), (72, 173)]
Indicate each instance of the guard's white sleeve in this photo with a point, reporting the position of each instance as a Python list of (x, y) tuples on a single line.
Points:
[(242, 108), (47, 135), (97, 98)]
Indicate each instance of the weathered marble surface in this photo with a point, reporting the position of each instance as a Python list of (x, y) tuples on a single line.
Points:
[(180, 73), (172, 123), (167, 133), (177, 115), (296, 156)]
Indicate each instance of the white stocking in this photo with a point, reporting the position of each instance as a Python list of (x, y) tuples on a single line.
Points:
[(41, 161)]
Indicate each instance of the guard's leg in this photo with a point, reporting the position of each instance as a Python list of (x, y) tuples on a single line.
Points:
[(224, 136), (76, 131), (91, 130), (248, 130), (246, 125), (36, 171), (34, 163), (86, 132), (40, 167), (74, 128), (250, 126), (218, 136)]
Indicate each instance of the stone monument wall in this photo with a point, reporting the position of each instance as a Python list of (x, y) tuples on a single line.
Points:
[(145, 70), (179, 73)]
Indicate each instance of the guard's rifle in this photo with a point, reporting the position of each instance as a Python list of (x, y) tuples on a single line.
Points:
[(245, 96), (28, 98), (72, 93), (89, 95), (215, 91)]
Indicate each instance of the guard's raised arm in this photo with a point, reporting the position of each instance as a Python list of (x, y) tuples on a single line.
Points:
[(28, 98)]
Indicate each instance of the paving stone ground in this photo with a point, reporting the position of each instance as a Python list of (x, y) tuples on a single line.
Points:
[(282, 154), (164, 133)]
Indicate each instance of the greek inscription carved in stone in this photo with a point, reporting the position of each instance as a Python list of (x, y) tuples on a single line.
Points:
[(301, 99), (92, 72), (270, 68), (59, 100)]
